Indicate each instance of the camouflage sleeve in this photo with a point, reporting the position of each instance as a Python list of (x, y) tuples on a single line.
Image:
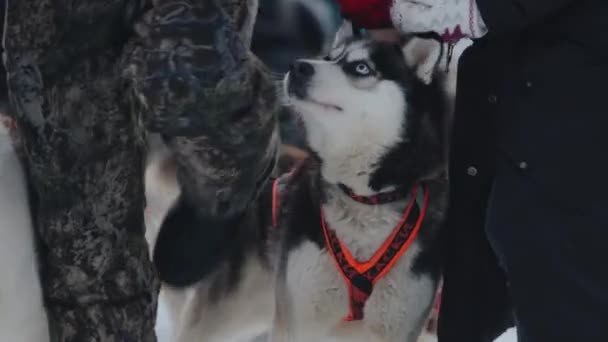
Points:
[(196, 83), (85, 156)]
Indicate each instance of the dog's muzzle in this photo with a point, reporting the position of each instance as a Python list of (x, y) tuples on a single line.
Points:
[(300, 74)]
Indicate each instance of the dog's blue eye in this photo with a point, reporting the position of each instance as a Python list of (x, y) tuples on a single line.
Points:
[(362, 69), (358, 69)]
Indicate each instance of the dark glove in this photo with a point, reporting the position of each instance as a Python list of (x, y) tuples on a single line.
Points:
[(192, 66)]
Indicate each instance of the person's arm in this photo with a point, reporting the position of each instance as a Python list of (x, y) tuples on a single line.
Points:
[(504, 16), (196, 83)]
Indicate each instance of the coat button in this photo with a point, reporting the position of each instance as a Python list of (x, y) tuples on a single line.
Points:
[(523, 165), (529, 84), (472, 171), (493, 99)]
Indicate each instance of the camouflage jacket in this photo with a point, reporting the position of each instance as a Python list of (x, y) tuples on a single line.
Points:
[(87, 80)]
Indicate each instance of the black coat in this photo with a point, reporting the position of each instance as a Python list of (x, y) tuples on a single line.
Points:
[(532, 91)]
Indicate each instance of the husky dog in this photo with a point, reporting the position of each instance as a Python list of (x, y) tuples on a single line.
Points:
[(22, 313), (369, 204)]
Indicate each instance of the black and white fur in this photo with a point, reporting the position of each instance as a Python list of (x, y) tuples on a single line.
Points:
[(22, 313), (375, 126), (374, 123)]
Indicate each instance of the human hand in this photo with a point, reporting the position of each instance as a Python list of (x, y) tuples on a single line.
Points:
[(191, 71), (451, 19), (194, 81)]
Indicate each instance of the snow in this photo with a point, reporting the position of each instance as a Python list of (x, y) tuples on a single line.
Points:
[(509, 336), (163, 328), (163, 324)]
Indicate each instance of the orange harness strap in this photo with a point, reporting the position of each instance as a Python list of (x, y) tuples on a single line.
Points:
[(361, 277)]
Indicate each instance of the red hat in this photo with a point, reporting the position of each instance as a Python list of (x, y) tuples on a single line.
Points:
[(368, 14)]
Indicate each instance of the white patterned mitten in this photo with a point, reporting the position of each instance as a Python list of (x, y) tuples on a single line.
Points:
[(451, 19)]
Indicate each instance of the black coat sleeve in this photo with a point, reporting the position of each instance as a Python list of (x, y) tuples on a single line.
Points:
[(506, 16)]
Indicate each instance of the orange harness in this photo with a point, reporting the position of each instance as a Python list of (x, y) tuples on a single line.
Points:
[(361, 277)]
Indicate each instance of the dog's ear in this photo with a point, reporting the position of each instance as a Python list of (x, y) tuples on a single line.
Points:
[(345, 32), (423, 55)]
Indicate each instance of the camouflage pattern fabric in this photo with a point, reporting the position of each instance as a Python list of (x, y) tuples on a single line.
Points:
[(86, 78)]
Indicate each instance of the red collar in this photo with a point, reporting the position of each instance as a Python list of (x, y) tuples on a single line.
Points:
[(361, 277), (380, 198)]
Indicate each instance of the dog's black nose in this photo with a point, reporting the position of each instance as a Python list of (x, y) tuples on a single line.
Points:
[(302, 69)]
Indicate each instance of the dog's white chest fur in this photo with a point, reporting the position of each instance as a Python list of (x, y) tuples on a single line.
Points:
[(318, 294)]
